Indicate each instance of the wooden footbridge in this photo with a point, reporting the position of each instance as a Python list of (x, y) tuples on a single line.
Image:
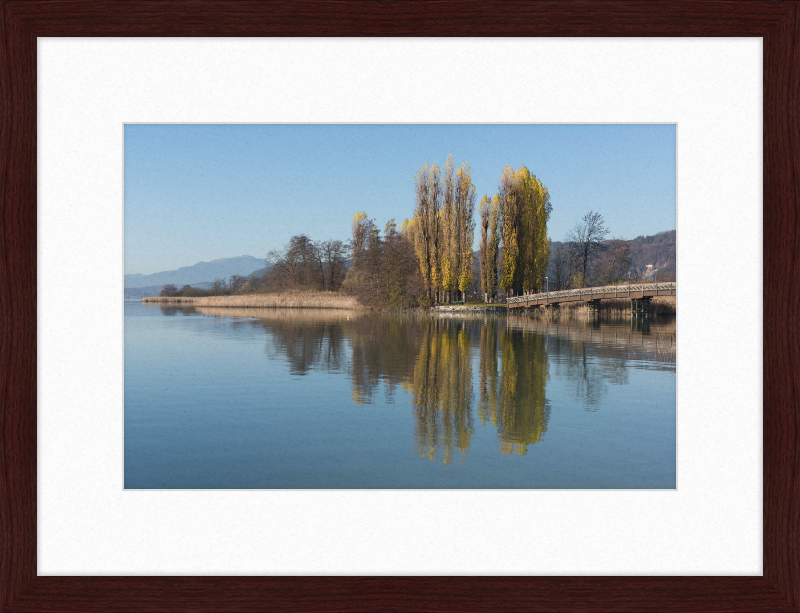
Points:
[(639, 294)]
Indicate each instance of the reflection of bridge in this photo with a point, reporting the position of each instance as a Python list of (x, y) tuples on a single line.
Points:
[(639, 293), (637, 335)]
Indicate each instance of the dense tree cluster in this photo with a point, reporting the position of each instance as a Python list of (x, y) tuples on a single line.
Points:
[(429, 259), (514, 246), (384, 271), (443, 229), (524, 212), (306, 264)]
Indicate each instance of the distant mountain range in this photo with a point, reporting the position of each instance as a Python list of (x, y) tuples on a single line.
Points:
[(202, 272)]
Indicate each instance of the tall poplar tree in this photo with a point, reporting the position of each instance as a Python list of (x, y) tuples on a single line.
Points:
[(535, 246), (465, 227), (524, 210), (444, 227), (510, 227), (449, 230), (494, 245), (361, 232), (484, 211), (420, 228), (488, 210), (434, 227)]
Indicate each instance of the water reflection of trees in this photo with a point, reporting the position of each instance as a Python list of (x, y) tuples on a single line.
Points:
[(171, 311), (513, 377), (373, 351), (382, 353), (523, 413), (442, 389), (593, 355), (579, 365), (432, 360), (308, 346)]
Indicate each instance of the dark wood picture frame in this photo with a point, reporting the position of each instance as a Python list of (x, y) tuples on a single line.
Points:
[(778, 22)]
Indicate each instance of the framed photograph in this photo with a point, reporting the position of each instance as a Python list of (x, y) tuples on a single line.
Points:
[(436, 336), (432, 453)]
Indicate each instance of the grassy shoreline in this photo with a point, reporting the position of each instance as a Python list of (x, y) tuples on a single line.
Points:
[(334, 300)]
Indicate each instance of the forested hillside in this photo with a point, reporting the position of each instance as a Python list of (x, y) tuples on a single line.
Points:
[(657, 251), (650, 256)]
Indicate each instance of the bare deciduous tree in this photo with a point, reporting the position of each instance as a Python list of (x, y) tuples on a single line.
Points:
[(332, 254), (387, 273), (587, 242), (219, 286), (303, 263), (298, 264), (561, 269), (280, 267), (236, 282), (615, 263)]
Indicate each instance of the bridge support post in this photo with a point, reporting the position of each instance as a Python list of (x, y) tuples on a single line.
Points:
[(640, 307), (593, 306)]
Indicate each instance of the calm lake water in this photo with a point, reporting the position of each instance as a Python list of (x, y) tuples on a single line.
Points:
[(306, 398)]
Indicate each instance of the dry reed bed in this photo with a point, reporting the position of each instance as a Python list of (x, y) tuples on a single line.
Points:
[(318, 300), (306, 314)]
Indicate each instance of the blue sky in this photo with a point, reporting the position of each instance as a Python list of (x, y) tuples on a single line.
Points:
[(202, 192)]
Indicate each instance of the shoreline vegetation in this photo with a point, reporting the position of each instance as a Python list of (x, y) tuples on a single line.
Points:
[(428, 260), (288, 299), (293, 299)]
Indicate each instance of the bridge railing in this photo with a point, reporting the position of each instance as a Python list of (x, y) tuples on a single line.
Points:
[(588, 291)]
